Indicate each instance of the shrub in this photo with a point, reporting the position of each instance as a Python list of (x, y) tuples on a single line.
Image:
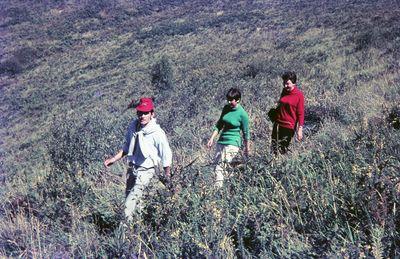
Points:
[(363, 40), (394, 117), (162, 74), (20, 60), (18, 15), (168, 28), (316, 114), (92, 9), (77, 145), (269, 68), (11, 67), (73, 192), (316, 57), (335, 195), (77, 141)]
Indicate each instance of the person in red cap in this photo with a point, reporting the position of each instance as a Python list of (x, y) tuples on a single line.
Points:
[(146, 147), (290, 115)]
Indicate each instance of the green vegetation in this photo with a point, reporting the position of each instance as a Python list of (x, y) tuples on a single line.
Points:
[(69, 69)]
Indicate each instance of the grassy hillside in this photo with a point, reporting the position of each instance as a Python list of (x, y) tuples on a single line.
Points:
[(69, 69)]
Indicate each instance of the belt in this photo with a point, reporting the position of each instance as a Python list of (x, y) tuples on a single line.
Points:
[(131, 165)]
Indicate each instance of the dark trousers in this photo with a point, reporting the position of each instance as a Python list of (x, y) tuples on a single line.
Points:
[(281, 138)]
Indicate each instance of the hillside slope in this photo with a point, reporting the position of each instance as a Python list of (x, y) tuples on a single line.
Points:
[(69, 69)]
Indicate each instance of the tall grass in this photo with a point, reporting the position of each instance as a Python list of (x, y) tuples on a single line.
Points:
[(69, 70)]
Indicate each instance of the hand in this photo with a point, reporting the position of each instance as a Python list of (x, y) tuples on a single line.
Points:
[(109, 162), (300, 133), (167, 171), (247, 148), (210, 142), (114, 159), (166, 178)]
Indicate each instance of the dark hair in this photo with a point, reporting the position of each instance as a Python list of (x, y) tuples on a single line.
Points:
[(289, 75), (233, 93)]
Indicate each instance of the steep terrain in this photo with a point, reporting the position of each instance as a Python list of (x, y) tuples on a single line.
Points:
[(68, 70)]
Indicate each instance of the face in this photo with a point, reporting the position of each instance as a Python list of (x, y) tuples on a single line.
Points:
[(233, 102), (144, 117), (288, 85)]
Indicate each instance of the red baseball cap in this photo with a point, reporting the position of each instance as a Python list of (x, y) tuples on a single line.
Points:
[(145, 105)]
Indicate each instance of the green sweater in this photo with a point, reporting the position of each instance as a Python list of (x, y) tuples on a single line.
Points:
[(231, 121)]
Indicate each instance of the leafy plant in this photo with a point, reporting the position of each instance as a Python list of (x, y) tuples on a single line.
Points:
[(68, 70), (162, 74)]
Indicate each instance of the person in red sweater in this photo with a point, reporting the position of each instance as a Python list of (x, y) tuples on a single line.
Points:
[(290, 117)]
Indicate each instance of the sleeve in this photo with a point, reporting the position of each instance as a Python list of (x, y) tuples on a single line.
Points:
[(245, 125), (300, 110), (220, 123), (164, 150), (128, 136)]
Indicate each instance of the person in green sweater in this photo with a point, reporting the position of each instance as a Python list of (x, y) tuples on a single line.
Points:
[(233, 119)]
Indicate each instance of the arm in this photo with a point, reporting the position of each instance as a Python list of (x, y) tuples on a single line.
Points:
[(218, 127), (108, 162), (246, 147), (211, 141), (125, 147), (246, 133), (165, 153), (299, 133), (300, 118)]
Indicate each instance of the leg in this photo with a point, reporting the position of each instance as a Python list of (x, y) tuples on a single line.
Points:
[(274, 139), (133, 200), (280, 139), (285, 136), (224, 155), (130, 180)]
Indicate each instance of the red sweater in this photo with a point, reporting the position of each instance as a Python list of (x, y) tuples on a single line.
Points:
[(291, 109)]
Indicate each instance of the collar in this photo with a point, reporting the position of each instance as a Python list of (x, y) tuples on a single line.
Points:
[(294, 90)]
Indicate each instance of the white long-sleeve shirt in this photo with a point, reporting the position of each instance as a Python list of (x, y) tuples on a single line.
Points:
[(150, 145)]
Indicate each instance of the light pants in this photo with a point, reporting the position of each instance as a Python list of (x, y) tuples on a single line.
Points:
[(223, 156), (137, 179)]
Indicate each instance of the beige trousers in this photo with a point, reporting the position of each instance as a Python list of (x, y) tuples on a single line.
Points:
[(138, 178), (223, 156)]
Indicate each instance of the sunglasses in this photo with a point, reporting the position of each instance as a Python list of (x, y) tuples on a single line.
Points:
[(139, 114)]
